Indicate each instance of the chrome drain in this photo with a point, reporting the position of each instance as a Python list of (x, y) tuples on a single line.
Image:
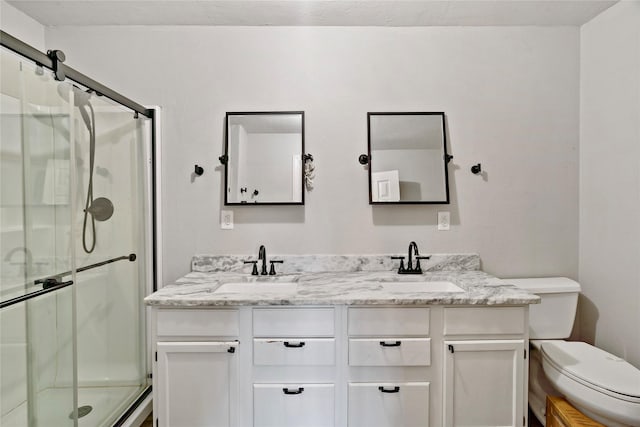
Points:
[(82, 411)]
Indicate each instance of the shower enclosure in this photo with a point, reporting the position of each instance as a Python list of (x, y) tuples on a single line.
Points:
[(76, 245)]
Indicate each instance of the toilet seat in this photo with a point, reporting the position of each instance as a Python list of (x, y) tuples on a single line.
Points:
[(595, 368), (597, 383)]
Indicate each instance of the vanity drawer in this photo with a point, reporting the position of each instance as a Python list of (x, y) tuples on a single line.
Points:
[(293, 322), (396, 404), (293, 405), (389, 352), (197, 322), (294, 352), (484, 321), (389, 321)]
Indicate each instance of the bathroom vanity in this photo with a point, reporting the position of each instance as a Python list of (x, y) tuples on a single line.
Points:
[(359, 347)]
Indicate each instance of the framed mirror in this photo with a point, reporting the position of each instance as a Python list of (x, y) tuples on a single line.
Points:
[(264, 158), (407, 158)]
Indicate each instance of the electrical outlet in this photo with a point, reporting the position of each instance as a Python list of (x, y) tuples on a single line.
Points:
[(226, 220), (444, 221)]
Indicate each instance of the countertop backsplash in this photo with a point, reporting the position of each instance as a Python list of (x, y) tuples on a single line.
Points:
[(333, 263)]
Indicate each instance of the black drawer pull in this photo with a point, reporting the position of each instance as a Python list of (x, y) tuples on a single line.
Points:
[(294, 345), (396, 389), (393, 344), (298, 391)]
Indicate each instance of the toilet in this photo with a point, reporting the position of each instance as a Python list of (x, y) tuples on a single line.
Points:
[(600, 385)]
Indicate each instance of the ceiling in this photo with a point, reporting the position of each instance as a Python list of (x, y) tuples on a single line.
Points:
[(392, 13)]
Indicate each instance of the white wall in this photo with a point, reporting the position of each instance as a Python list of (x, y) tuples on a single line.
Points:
[(610, 180), (21, 26), (510, 95)]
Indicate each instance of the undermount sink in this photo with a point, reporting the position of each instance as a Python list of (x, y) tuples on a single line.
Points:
[(440, 286), (257, 287)]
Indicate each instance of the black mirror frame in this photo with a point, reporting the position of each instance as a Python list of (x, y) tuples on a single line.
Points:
[(446, 158), (225, 157)]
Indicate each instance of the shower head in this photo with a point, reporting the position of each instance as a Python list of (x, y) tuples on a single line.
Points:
[(80, 99), (101, 209)]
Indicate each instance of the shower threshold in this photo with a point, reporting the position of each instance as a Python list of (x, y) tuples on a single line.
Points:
[(107, 404)]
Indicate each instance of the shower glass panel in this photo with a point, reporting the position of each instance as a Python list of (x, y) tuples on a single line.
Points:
[(110, 314), (74, 206), (37, 362)]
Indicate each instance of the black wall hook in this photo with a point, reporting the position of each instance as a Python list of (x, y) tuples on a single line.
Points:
[(198, 170), (307, 157), (223, 159), (476, 169), (363, 159)]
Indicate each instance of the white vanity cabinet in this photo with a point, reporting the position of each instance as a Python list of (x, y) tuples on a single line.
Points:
[(485, 376), (294, 367), (387, 346), (196, 369), (341, 366)]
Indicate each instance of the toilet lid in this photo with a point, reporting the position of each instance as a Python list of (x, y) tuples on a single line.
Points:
[(594, 366)]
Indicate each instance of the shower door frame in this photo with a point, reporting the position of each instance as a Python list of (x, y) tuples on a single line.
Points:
[(48, 61)]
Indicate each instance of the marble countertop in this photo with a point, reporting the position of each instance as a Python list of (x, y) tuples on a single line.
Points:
[(198, 289)]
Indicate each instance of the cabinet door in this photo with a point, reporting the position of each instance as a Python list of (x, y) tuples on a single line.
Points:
[(483, 383), (293, 405), (197, 384), (389, 404)]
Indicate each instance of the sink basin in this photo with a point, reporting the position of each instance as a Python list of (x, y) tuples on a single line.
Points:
[(257, 288), (421, 287)]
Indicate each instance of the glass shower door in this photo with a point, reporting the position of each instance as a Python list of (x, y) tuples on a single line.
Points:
[(111, 158), (74, 233), (37, 374)]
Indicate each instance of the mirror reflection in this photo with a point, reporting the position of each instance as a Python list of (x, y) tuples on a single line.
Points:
[(407, 158), (264, 158)]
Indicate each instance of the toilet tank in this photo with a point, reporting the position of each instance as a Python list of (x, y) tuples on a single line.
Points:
[(553, 318)]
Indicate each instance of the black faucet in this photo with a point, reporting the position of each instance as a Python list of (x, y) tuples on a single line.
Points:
[(413, 252), (262, 255)]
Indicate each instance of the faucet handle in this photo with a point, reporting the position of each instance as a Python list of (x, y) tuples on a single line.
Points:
[(254, 272), (401, 269), (418, 258), (272, 270)]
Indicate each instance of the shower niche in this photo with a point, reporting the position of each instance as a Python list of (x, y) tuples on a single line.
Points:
[(263, 158)]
